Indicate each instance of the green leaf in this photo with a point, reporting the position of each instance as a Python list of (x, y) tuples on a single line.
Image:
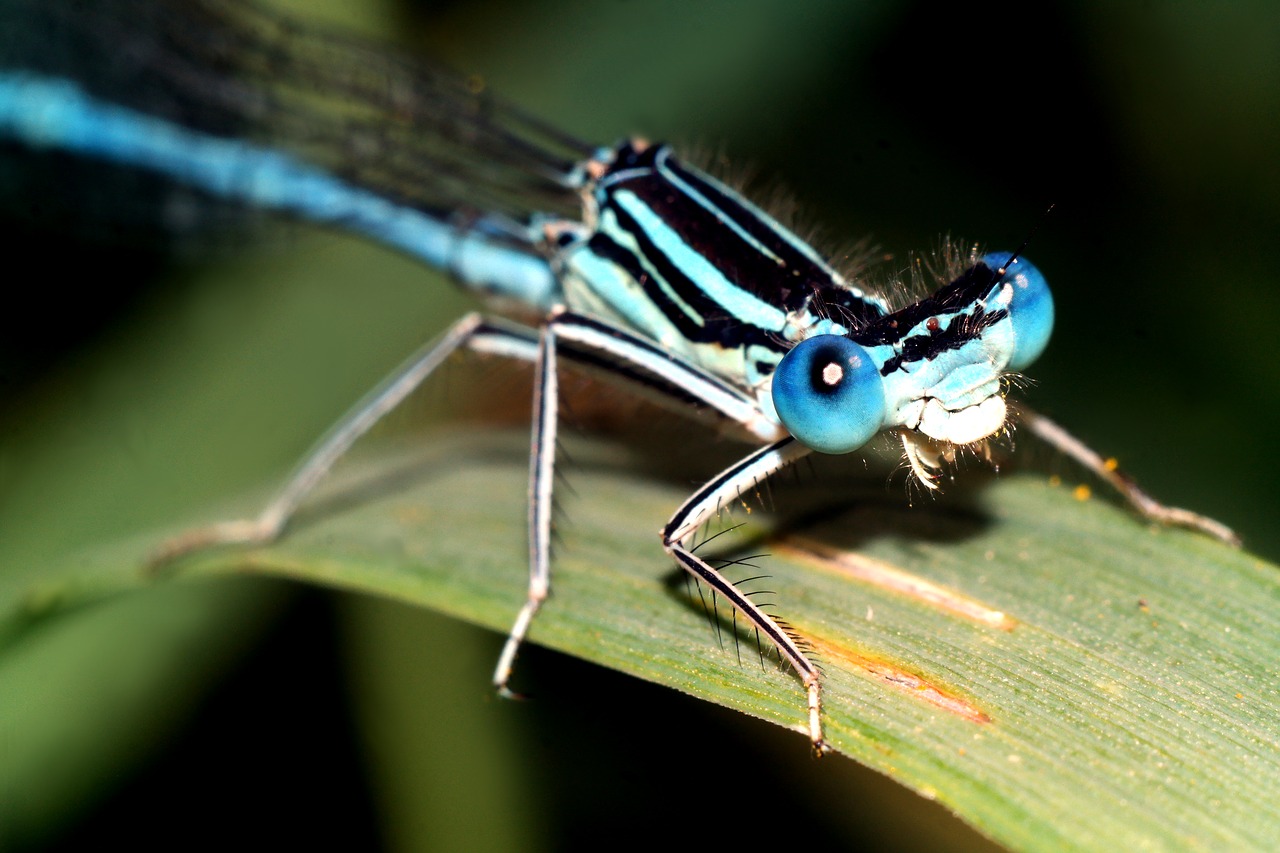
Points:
[(169, 415), (1051, 669)]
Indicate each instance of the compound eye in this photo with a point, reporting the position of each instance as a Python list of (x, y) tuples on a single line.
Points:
[(828, 394), (1031, 309)]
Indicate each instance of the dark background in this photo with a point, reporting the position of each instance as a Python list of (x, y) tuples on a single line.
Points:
[(1152, 128)]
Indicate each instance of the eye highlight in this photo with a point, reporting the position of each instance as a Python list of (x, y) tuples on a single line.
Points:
[(828, 394), (1030, 309)]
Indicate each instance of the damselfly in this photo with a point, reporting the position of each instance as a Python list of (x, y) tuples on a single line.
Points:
[(632, 262)]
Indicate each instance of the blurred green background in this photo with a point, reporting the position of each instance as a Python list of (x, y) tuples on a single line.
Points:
[(253, 712)]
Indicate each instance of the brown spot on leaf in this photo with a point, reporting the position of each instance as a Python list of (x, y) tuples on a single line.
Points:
[(899, 679)]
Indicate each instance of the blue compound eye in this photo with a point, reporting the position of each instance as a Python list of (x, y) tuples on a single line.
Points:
[(1031, 310), (828, 394)]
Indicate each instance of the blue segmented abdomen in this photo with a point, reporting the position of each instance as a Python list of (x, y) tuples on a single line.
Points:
[(51, 113)]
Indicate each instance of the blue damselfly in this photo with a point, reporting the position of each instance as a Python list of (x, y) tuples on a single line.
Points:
[(629, 260)]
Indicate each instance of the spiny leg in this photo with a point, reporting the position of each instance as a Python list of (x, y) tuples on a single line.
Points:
[(587, 341), (696, 511), (622, 354), (1106, 470), (472, 331)]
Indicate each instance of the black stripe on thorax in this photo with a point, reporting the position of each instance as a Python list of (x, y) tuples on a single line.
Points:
[(789, 280), (711, 325)]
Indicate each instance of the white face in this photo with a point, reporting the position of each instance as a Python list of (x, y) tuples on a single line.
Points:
[(956, 396), (953, 396), (970, 424)]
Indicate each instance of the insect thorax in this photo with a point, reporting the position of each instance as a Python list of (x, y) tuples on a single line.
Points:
[(690, 263)]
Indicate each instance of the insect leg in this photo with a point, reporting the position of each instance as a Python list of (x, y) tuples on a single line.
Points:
[(700, 507), (592, 342), (1106, 470), (618, 354), (475, 332), (542, 460)]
